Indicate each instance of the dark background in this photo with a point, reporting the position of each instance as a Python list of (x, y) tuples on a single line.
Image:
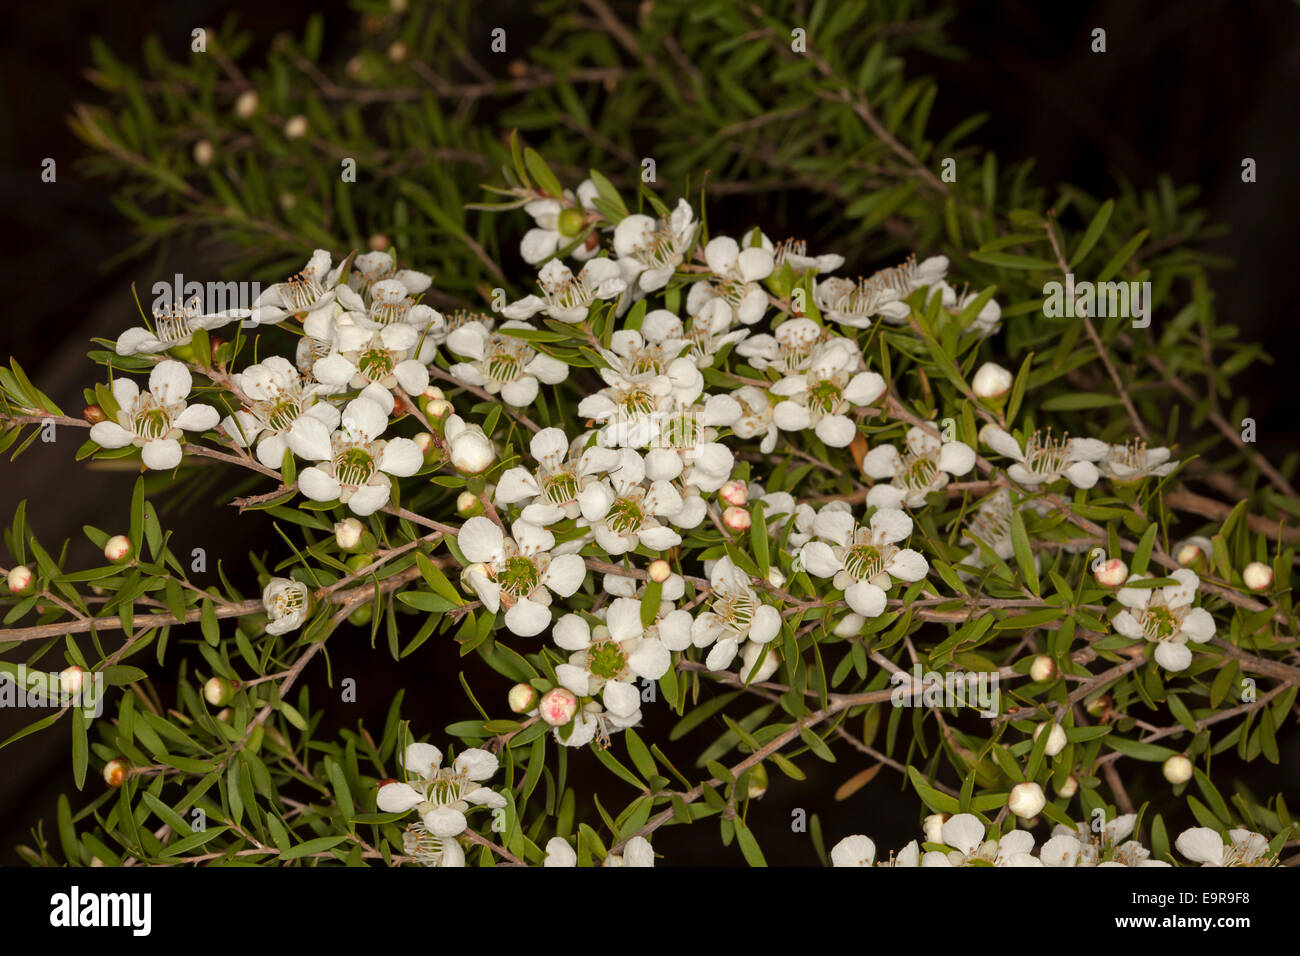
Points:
[(1188, 88)]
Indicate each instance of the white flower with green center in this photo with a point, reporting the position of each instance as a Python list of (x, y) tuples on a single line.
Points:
[(285, 413), (990, 524), (634, 409), (650, 250), (391, 304), (964, 833), (823, 397), (863, 562), (855, 304), (442, 795), (360, 462), (363, 357), (624, 514), (1206, 847), (518, 572), (315, 294), (1041, 458), (557, 224), (737, 280), (429, 850), (371, 268), (503, 364), (551, 493), (174, 327), (1135, 461), (567, 297), (756, 418), (921, 470), (710, 331), (907, 277), (1165, 617), (687, 450), (607, 660), (287, 603), (736, 615), (156, 420), (789, 349)]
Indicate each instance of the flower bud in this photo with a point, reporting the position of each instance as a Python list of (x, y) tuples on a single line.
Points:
[(20, 579), (116, 772), (569, 222), (1069, 788), (1101, 707), (204, 152), (378, 242), (295, 127), (1043, 668), (94, 414), (735, 493), (660, 570), (71, 680), (246, 105), (934, 828), (558, 706), (348, 532), (992, 383), (757, 780), (433, 394), (218, 691), (1177, 769), (398, 51), (737, 519), (750, 659), (1258, 576), (522, 698), (777, 579), (1112, 573), (468, 504), (1055, 739), (1194, 551), (118, 549), (362, 615), (1026, 800), (471, 452)]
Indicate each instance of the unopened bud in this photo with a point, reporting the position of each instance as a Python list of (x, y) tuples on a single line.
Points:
[(94, 414), (471, 451), (1069, 788), (468, 504), (1177, 769), (1042, 668), (20, 579), (1258, 576), (398, 51), (295, 127), (1026, 800), (1101, 707), (204, 153), (424, 441), (218, 691), (1112, 573), (735, 493), (736, 519), (246, 105), (348, 532), (522, 698), (378, 242), (1055, 739), (118, 549), (116, 772), (992, 383), (660, 570), (433, 394), (558, 706), (1192, 552), (757, 781), (777, 579), (569, 222), (933, 827), (71, 680)]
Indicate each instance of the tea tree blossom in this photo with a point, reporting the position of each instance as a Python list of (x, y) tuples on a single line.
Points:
[(360, 465), (823, 397), (1204, 846), (789, 348), (624, 514), (710, 331), (551, 492), (567, 297), (173, 327), (314, 294), (1041, 458), (391, 304), (502, 364), (285, 413), (1134, 461), (363, 356), (650, 250), (155, 420), (924, 468), (607, 659), (371, 268), (735, 615), (855, 304), (1165, 617), (287, 603), (736, 281), (442, 795), (637, 853), (863, 562), (551, 231), (518, 572)]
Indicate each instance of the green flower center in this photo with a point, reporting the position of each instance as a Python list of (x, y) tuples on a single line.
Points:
[(607, 660), (825, 396), (1159, 623), (864, 561), (519, 577), (375, 364), (625, 515), (638, 402), (561, 488), (281, 414), (354, 467), (153, 422)]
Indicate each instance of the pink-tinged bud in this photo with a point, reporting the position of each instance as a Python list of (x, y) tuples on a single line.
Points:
[(116, 772), (660, 570), (737, 519), (757, 781), (424, 441), (20, 580), (1026, 800), (348, 532), (296, 127), (433, 394), (1069, 788), (1055, 739), (1177, 769), (223, 715), (1112, 573), (558, 706), (71, 680), (246, 105), (118, 549), (1258, 576), (1043, 668), (992, 382), (1193, 552), (735, 493), (522, 698), (468, 504), (204, 152), (218, 691)]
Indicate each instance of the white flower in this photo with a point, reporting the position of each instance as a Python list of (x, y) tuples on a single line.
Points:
[(546, 239), (635, 408), (1135, 461), (1045, 458), (566, 297), (864, 561), (991, 381), (1165, 617), (710, 331), (756, 418), (909, 276), (503, 364), (636, 853), (795, 252), (594, 724), (1204, 846), (371, 268), (285, 412), (735, 615), (822, 397), (649, 250), (623, 514), (155, 420), (551, 493), (923, 469), (359, 464), (789, 349), (287, 603), (173, 327), (964, 833), (519, 572), (391, 304), (470, 450), (607, 660), (985, 323), (314, 293), (363, 356), (442, 795), (737, 280), (856, 850), (855, 304)]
